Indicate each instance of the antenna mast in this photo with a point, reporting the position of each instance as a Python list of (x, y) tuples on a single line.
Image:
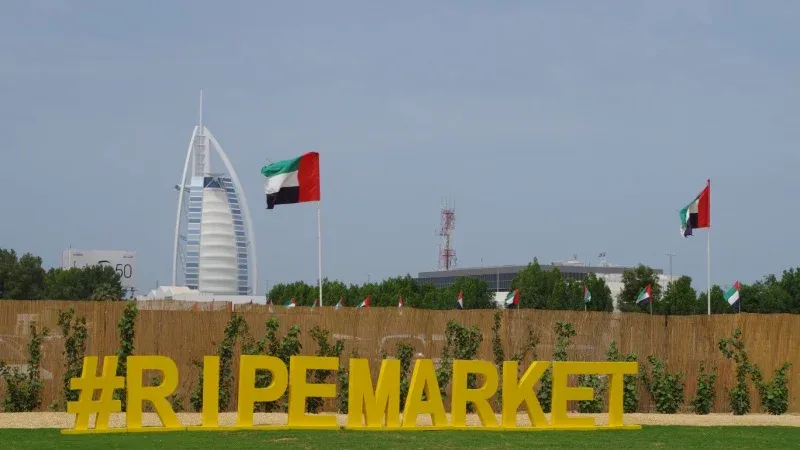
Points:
[(447, 254)]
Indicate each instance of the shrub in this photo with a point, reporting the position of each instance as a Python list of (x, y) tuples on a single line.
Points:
[(564, 333), (630, 399), (665, 389), (235, 328), (703, 400), (775, 394), (24, 389), (404, 352), (529, 347), (460, 343), (127, 333), (175, 400), (594, 405), (75, 334), (733, 348), (283, 348), (324, 348), (344, 386)]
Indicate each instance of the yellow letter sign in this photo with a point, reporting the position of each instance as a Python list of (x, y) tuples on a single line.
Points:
[(370, 407)]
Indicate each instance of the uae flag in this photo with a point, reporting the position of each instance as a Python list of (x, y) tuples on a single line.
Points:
[(365, 303), (460, 301), (645, 296), (512, 299), (697, 214), (732, 296), (290, 304), (587, 296), (339, 304), (292, 180)]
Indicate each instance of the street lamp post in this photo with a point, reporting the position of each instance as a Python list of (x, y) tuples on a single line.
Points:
[(670, 265)]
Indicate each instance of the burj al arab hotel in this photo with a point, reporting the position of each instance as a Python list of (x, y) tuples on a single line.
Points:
[(214, 246)]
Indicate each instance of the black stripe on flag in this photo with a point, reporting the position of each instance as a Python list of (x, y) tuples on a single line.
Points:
[(285, 196)]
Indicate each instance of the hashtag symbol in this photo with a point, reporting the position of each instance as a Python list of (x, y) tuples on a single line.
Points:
[(88, 383)]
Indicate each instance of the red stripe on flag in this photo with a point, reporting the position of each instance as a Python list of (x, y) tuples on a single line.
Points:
[(704, 208), (308, 178)]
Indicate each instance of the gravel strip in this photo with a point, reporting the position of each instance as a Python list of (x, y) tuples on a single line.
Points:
[(64, 420)]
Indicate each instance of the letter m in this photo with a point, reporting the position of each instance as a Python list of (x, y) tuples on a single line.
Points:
[(373, 405)]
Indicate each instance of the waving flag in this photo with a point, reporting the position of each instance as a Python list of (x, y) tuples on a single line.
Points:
[(697, 214), (645, 296), (460, 301), (732, 296), (339, 304), (400, 302), (293, 180), (365, 303), (290, 303), (587, 296), (512, 299)]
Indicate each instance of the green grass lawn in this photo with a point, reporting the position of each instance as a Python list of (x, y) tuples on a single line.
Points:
[(647, 437)]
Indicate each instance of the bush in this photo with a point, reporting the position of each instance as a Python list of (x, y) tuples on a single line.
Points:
[(630, 398), (703, 400), (75, 334), (283, 348), (235, 328), (594, 405), (344, 386), (564, 333), (127, 333), (529, 347), (775, 394), (665, 389), (460, 343), (24, 389), (404, 351), (175, 399), (739, 396), (324, 348)]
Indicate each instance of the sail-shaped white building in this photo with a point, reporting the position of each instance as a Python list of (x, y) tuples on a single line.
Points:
[(214, 245)]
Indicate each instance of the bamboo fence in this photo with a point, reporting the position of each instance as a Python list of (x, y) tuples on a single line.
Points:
[(187, 331)]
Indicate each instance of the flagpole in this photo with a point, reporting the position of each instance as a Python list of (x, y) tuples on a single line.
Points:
[(708, 250), (319, 248)]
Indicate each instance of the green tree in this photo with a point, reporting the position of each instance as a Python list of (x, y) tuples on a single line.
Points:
[(302, 293), (83, 283), (790, 283), (718, 303), (23, 278), (602, 300), (680, 298), (536, 286), (633, 282)]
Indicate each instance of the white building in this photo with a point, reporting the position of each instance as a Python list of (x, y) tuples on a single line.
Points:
[(183, 293), (214, 246)]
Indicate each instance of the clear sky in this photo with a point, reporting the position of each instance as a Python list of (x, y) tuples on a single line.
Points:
[(557, 128)]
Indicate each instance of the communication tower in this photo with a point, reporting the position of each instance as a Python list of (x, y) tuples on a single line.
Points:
[(447, 254)]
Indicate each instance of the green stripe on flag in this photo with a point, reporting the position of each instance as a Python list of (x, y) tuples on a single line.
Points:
[(285, 166)]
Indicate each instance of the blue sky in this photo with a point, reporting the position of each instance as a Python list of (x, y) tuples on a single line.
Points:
[(556, 127)]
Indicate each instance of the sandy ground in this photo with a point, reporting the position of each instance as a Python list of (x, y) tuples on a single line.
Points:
[(64, 420)]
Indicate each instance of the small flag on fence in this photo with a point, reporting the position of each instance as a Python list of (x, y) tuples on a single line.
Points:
[(732, 296), (645, 296), (512, 299)]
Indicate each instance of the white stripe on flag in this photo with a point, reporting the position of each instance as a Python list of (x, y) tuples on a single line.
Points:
[(274, 183)]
